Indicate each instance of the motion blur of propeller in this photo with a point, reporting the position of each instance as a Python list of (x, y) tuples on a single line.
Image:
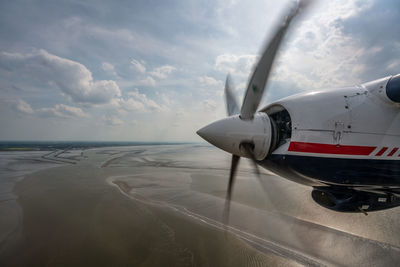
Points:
[(232, 106), (248, 134)]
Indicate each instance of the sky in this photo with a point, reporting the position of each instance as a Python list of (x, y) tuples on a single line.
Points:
[(155, 70)]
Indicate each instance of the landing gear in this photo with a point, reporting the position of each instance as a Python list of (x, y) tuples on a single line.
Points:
[(363, 211), (344, 199)]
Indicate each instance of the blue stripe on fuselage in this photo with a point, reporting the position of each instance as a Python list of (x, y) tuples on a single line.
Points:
[(343, 171)]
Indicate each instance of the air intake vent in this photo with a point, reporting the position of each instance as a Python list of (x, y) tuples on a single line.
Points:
[(393, 88)]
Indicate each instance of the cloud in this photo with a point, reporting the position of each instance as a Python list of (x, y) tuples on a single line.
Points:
[(109, 68), (132, 104), (166, 100), (208, 105), (139, 103), (317, 53), (330, 47), (238, 65), (21, 106), (148, 103), (117, 38), (180, 113), (148, 81), (62, 111), (58, 111), (72, 78), (209, 81), (112, 121), (162, 72), (138, 66), (340, 43), (374, 30)]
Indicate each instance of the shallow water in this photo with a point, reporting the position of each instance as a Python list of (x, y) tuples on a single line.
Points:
[(158, 205)]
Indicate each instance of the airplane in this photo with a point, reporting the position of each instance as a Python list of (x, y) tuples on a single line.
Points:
[(344, 143)]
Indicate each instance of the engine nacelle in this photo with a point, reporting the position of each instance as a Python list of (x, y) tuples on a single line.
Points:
[(352, 200), (387, 89), (393, 88)]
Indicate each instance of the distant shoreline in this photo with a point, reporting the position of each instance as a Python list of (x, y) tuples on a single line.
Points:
[(10, 146)]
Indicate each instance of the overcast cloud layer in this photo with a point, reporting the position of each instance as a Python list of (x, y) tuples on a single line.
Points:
[(155, 70)]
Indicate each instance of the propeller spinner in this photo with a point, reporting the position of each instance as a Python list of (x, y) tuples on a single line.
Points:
[(248, 134)]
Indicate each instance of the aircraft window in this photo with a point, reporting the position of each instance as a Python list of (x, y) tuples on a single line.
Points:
[(393, 88)]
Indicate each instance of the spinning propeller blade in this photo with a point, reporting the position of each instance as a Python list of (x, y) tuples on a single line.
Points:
[(232, 174), (255, 90), (259, 78), (248, 148), (232, 106), (215, 133)]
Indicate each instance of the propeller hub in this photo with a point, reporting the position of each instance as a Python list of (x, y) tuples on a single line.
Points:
[(231, 133)]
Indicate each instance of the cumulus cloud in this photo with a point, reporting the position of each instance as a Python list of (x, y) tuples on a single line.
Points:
[(162, 72), (165, 99), (148, 81), (335, 45), (238, 65), (112, 121), (139, 103), (131, 104), (339, 43), (317, 53), (109, 68), (72, 78), (209, 81), (138, 66), (209, 105), (58, 111), (368, 28), (62, 111), (21, 106)]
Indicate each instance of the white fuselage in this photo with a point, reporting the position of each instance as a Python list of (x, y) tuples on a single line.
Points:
[(360, 116), (358, 123)]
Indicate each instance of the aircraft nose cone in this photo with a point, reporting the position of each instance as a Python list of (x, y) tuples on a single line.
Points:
[(229, 133), (210, 133), (224, 134), (202, 133)]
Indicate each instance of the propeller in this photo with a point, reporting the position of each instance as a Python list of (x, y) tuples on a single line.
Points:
[(258, 81), (232, 175), (232, 106), (254, 92)]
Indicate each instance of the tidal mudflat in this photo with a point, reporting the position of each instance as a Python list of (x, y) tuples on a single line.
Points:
[(163, 205)]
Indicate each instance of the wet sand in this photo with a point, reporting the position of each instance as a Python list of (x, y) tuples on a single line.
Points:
[(72, 217), (157, 206), (13, 167)]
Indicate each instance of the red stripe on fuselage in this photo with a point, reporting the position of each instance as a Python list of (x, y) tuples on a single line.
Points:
[(330, 149), (380, 153), (393, 151)]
